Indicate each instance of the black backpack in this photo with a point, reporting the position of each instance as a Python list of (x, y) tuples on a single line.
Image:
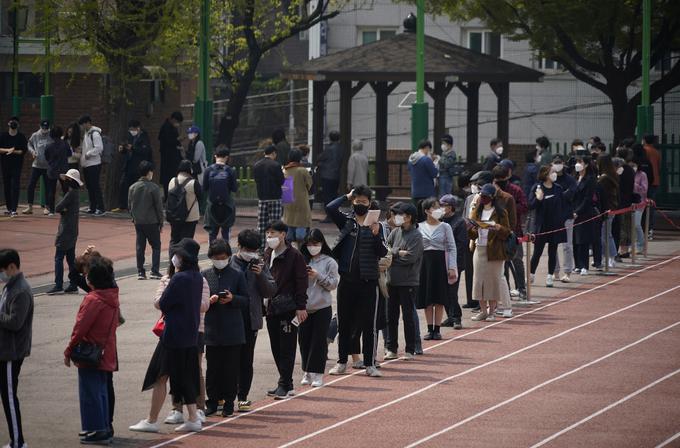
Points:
[(176, 209)]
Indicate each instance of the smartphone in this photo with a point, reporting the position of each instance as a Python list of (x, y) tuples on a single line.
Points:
[(222, 295), (295, 321), (252, 263)]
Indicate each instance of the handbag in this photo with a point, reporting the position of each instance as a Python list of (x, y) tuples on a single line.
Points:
[(281, 304), (510, 246), (89, 353), (287, 192), (159, 327)]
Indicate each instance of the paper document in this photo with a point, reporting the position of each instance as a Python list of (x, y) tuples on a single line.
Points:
[(371, 217)]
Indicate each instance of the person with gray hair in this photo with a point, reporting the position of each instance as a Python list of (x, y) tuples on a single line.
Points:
[(357, 167)]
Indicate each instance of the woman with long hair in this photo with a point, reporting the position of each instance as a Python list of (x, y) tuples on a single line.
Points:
[(74, 139), (608, 192), (196, 153), (585, 227)]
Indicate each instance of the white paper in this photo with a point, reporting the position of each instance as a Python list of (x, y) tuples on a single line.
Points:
[(371, 217)]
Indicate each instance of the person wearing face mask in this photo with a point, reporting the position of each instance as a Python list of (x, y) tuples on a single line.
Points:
[(447, 165), (438, 269), (136, 150), (608, 194), (546, 199), (626, 192), (586, 231), (225, 331), (196, 152), (36, 147), (170, 147), (494, 157), (568, 184), (322, 271), (182, 207), (261, 284), (16, 328), (287, 307), (457, 222), (297, 214), (13, 146), (358, 249), (91, 162), (640, 196), (146, 209), (423, 174)]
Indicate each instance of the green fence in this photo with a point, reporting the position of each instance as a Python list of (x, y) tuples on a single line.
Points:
[(669, 190), (246, 183)]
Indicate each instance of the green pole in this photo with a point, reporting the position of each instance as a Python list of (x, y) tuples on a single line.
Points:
[(46, 102), (16, 100), (203, 108), (645, 112), (419, 109)]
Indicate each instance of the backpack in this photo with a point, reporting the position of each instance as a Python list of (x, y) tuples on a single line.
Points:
[(109, 148), (511, 245), (218, 184), (176, 204)]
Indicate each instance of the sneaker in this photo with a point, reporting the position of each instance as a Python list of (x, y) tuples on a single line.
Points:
[(625, 255), (532, 278), (211, 407), (650, 236), (576, 271), (174, 418), (448, 322), (408, 356), (282, 394), (476, 310), (491, 318), (457, 325), (506, 314), (358, 365), (244, 406), (99, 213), (13, 214), (598, 267), (141, 276), (72, 289), (156, 276), (373, 372), (91, 212), (50, 214), (28, 210), (514, 293), (584, 271), (480, 317), (467, 305), (7, 213), (306, 379), (46, 211), (419, 351), (228, 409), (189, 426), (339, 369), (522, 294), (97, 438), (201, 415), (55, 291), (436, 336), (390, 355), (612, 264), (116, 210), (317, 379), (145, 426), (618, 258), (549, 280), (565, 278)]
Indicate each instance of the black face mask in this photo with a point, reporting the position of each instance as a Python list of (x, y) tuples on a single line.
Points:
[(502, 184), (360, 209), (13, 125)]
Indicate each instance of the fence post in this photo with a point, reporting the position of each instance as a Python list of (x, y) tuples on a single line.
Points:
[(646, 232), (528, 300), (633, 240)]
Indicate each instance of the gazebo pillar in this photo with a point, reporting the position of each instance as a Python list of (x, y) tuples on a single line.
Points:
[(347, 92), (320, 88), (502, 91), (382, 91), (471, 92), (439, 94)]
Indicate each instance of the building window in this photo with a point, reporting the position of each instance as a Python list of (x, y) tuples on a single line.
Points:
[(30, 86), (548, 64), (483, 41), (373, 35)]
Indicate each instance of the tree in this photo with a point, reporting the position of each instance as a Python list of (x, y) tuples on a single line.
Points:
[(598, 42)]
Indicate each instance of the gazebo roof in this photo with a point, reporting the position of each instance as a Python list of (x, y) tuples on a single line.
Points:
[(394, 59)]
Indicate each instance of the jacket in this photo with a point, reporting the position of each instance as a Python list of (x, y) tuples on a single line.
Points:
[(141, 150), (96, 323), (370, 248), (168, 137), (146, 202), (330, 161), (507, 202), (626, 186), (298, 213), (495, 246), (92, 148), (224, 324), (196, 155), (529, 177), (584, 208), (423, 173), (16, 319), (568, 184), (181, 305), (205, 299), (69, 208), (460, 235), (405, 271), (290, 274), (357, 169), (521, 206), (282, 150), (492, 159), (37, 144), (193, 194), (551, 212), (268, 176), (641, 184), (447, 164), (219, 215), (608, 192), (57, 155), (327, 279), (259, 287)]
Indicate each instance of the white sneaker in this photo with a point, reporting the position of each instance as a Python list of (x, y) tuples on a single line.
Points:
[(565, 278), (549, 280), (390, 355), (10, 446), (514, 293), (584, 271), (174, 418), (532, 278), (317, 379), (505, 313), (145, 426), (491, 318), (358, 365), (339, 369), (408, 356), (612, 264), (576, 271), (190, 426), (201, 415), (306, 379), (373, 372)]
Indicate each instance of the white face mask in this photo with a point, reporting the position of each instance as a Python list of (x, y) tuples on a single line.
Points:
[(579, 167), (619, 170), (248, 256), (398, 220), (4, 278), (314, 250), (499, 150), (557, 167), (220, 264), (539, 149), (445, 147), (134, 133), (191, 136), (474, 188), (273, 242), (437, 213), (553, 177), (635, 168), (590, 146), (176, 261)]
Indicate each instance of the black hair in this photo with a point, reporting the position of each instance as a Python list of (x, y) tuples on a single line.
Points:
[(85, 119), (425, 144), (184, 167), (605, 165), (278, 136), (74, 140), (500, 172), (219, 247), (576, 142), (134, 123), (495, 141), (530, 156), (543, 142), (14, 118), (278, 226), (295, 155), (428, 203), (628, 142), (56, 133), (304, 149), (9, 256), (100, 273), (625, 153), (144, 168), (464, 179), (596, 139), (222, 152), (249, 239), (177, 116), (316, 236), (334, 136), (650, 139), (363, 190)]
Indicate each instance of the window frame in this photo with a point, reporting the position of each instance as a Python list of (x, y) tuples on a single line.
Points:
[(484, 32), (378, 33)]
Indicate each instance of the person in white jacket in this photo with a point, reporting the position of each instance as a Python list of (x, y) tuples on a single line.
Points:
[(91, 162), (357, 166)]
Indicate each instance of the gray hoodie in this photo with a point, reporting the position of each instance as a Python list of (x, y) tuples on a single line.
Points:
[(92, 148), (16, 319), (327, 279), (405, 270), (36, 145)]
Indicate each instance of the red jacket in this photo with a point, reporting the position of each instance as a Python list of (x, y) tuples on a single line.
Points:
[(96, 323), (521, 207)]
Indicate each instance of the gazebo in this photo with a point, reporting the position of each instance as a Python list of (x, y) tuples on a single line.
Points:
[(385, 64)]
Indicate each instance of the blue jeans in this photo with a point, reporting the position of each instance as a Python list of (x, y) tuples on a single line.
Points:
[(296, 233), (70, 255), (445, 185), (213, 232), (639, 233), (608, 240), (94, 399)]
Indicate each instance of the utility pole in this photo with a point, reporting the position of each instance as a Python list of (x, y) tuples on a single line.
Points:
[(47, 99), (203, 108), (419, 109), (645, 112), (18, 24)]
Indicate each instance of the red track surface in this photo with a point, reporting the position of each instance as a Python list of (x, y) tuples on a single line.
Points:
[(599, 367)]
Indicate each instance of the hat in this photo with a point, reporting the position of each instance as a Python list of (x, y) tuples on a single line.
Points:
[(187, 249), (507, 163), (45, 124), (194, 130), (448, 139), (75, 175), (408, 208), (270, 149), (482, 177), (449, 199), (488, 190)]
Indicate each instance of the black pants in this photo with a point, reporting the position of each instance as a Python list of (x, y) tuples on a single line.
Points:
[(469, 274), (11, 177), (94, 189), (357, 314), (516, 267), (152, 234), (112, 397), (70, 255), (245, 377), (9, 382), (581, 256), (330, 189), (283, 341), (221, 376), (401, 297), (179, 230), (453, 310), (125, 182), (313, 344), (36, 174), (538, 251)]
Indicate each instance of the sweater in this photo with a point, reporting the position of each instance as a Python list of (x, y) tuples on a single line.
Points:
[(290, 273), (259, 286), (268, 177), (327, 279), (405, 270), (423, 173), (37, 144), (181, 305), (146, 202), (69, 208), (92, 148), (439, 238), (16, 319), (224, 324)]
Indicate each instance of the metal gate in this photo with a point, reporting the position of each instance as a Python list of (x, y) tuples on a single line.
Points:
[(669, 191)]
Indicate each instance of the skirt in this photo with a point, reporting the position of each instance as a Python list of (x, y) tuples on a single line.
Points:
[(489, 282), (181, 366), (434, 285)]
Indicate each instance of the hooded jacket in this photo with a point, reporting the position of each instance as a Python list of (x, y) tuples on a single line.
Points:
[(92, 148), (290, 273), (96, 323), (37, 145), (423, 173), (16, 319), (259, 287), (327, 279)]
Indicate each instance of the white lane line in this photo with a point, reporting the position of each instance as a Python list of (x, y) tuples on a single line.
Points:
[(432, 347), (668, 441), (470, 370), (605, 409)]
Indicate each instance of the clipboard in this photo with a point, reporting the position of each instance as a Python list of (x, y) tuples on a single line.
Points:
[(371, 218)]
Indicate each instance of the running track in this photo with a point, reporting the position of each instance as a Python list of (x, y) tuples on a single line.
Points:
[(599, 367)]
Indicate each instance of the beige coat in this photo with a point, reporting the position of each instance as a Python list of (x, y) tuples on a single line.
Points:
[(194, 212), (298, 213)]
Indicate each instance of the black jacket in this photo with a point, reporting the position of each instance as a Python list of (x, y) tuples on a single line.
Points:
[(370, 248), (168, 137), (626, 186), (181, 305), (141, 150), (16, 320), (290, 274), (224, 322), (57, 154), (259, 287), (460, 234), (268, 177), (608, 192)]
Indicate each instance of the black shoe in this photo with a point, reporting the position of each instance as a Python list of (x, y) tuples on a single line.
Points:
[(82, 434), (228, 409), (156, 276), (429, 336), (448, 322), (272, 392), (626, 255), (457, 325), (210, 407), (141, 276), (419, 351), (72, 289), (476, 310), (97, 438), (467, 305), (283, 393), (54, 291), (618, 258), (91, 212), (99, 213), (437, 336)]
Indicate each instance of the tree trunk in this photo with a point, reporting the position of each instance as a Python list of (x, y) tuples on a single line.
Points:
[(624, 118)]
